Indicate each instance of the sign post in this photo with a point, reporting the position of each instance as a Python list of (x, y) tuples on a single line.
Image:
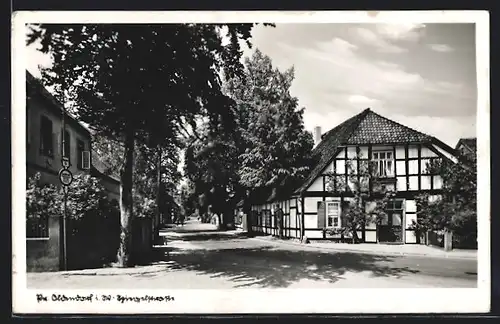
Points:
[(66, 178)]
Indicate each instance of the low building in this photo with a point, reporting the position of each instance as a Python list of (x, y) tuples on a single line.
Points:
[(467, 147), (399, 156)]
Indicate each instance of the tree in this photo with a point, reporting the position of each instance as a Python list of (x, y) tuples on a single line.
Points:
[(134, 82), (455, 209), (274, 143), (355, 212), (268, 146)]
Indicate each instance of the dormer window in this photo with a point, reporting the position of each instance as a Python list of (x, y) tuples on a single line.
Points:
[(383, 164)]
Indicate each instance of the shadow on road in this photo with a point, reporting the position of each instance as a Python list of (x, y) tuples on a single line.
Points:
[(266, 267)]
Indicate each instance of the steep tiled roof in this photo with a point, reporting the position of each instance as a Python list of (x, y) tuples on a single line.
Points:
[(35, 86), (375, 129), (328, 146), (367, 127), (469, 142)]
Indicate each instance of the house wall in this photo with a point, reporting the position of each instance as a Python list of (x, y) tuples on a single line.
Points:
[(410, 166), (411, 179), (36, 107), (43, 254), (291, 218)]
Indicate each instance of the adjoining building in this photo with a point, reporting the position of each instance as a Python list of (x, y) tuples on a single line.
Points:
[(44, 129), (400, 156)]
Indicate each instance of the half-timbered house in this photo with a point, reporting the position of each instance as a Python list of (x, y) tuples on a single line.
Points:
[(398, 154)]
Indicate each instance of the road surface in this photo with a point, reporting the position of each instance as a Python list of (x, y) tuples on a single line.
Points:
[(205, 258)]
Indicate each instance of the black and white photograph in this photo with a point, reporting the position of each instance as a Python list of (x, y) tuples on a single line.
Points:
[(251, 162)]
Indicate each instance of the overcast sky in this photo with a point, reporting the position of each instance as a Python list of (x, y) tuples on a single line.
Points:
[(423, 76)]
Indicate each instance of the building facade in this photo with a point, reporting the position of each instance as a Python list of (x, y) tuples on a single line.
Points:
[(398, 156), (44, 129)]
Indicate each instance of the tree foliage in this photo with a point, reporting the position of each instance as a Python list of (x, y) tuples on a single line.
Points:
[(142, 83), (455, 209), (267, 147), (91, 217), (273, 141)]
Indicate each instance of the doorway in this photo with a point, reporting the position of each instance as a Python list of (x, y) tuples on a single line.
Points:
[(390, 229)]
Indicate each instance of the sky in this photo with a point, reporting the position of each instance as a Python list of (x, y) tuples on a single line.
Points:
[(423, 76)]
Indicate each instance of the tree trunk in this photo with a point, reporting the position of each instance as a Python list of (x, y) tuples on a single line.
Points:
[(156, 232), (448, 240), (126, 203)]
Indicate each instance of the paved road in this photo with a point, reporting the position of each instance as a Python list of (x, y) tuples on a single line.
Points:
[(205, 258)]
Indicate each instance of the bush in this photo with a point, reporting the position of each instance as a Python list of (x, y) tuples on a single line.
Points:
[(93, 222), (41, 203)]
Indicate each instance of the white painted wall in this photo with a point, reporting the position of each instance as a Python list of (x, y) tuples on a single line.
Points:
[(317, 185), (425, 183), (412, 151), (438, 182), (311, 204), (448, 155), (311, 221), (410, 237), (293, 218), (370, 236), (401, 183), (411, 206), (400, 152)]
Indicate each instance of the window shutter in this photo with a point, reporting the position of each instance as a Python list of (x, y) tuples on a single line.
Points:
[(321, 214), (56, 143), (343, 221), (86, 160)]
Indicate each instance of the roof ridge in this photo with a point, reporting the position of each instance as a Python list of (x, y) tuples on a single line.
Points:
[(359, 118), (404, 126)]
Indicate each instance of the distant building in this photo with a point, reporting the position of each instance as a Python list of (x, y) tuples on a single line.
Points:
[(466, 147)]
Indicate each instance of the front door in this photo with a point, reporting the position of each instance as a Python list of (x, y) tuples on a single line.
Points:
[(391, 227)]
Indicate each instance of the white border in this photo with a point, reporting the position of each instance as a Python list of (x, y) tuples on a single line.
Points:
[(259, 300)]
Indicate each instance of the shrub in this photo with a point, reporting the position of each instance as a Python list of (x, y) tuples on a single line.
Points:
[(93, 223)]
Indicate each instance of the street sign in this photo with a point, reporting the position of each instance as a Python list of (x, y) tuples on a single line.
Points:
[(66, 177), (65, 163)]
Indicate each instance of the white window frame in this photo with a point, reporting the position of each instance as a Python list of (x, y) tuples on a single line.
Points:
[(327, 210), (383, 163)]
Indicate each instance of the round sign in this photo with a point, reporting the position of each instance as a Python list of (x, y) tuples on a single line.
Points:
[(66, 177)]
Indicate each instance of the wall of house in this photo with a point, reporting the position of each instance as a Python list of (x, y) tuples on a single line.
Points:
[(410, 166), (409, 170), (36, 108), (43, 254), (291, 218)]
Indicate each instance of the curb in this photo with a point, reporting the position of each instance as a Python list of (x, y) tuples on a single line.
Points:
[(308, 246)]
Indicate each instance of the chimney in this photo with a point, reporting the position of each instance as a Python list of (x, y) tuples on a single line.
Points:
[(317, 135)]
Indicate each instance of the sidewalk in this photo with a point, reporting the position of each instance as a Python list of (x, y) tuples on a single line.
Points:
[(384, 249), (364, 248)]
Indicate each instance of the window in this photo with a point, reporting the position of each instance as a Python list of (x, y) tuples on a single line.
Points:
[(333, 214), (395, 205), (67, 145), (383, 163), (80, 146), (46, 142)]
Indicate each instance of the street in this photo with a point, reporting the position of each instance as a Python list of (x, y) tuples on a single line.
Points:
[(204, 258)]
